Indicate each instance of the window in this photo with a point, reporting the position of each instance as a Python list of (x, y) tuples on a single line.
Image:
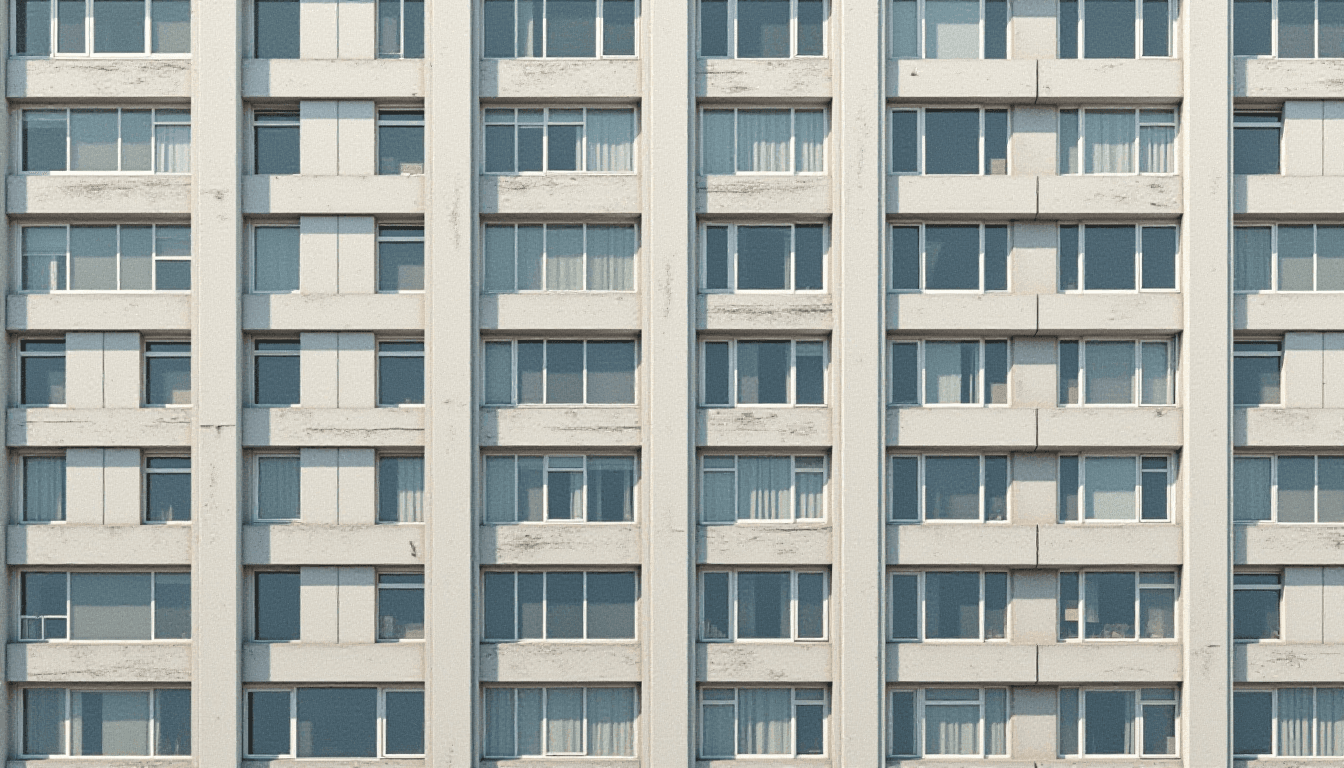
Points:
[(565, 489), (947, 721), (559, 257), (949, 141), (1117, 721), (101, 27), (277, 487), (167, 489), (167, 373), (276, 26), (335, 722), (949, 257), (111, 257), (42, 372), (949, 488), (783, 257), (1255, 372), (1299, 257), (275, 603), (1115, 488), (275, 369), (43, 489), (1111, 257), (949, 605), (107, 140), (275, 259), (556, 372), (736, 722), (276, 132), (1288, 489), (401, 142), (1109, 140), (118, 605), (1255, 142), (734, 141), (1114, 29), (537, 722), (401, 259), (559, 28), (106, 721), (762, 489), (1256, 606), (401, 29), (762, 29), (1120, 605), (554, 140), (1305, 29), (949, 372), (559, 605), (1280, 722), (737, 373), (1097, 372), (763, 605), (401, 489), (401, 373), (401, 606), (952, 29)]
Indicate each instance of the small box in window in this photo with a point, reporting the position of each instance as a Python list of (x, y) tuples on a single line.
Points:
[(412, 168)]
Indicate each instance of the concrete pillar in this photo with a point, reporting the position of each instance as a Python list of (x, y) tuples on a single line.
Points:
[(318, 137), (122, 370), (357, 254), (357, 153), (84, 370), (317, 29), (318, 486), (121, 486), (1303, 370), (319, 247), (357, 29), (1303, 126)]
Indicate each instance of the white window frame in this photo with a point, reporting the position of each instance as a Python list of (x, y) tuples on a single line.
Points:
[(1278, 124), (1080, 623), (1139, 707), (1080, 271), (923, 149), (88, 37), (1136, 375), (793, 605), (68, 718), (401, 33), (254, 353), (1277, 588), (153, 608), (379, 124), (922, 519), (1080, 142), (254, 123), (1314, 738), (380, 719), (581, 152), (731, 32), (146, 470), (1173, 50), (733, 377), (921, 596), (793, 141), (385, 235), (1273, 459), (546, 473), (155, 259), (1274, 42), (1274, 258), (254, 466), (824, 701), (731, 228), (146, 354), (1080, 492), (545, 604), (252, 256), (379, 586), (922, 39), (583, 728), (545, 372), (599, 43), (981, 379), (922, 227), (545, 226), (379, 354), (20, 465), (795, 471), (154, 122), (23, 354), (921, 705), (400, 454), (1278, 354)]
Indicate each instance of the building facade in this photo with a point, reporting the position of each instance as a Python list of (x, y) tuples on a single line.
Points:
[(604, 382)]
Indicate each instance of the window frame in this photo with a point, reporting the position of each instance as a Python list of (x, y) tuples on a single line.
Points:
[(1249, 353), (279, 110), (1274, 286), (635, 714), (67, 719), (155, 259), (146, 354), (545, 371), (1136, 377), (921, 34), (922, 227), (402, 455), (153, 574), (581, 152), (731, 227), (1277, 588), (793, 140), (1080, 608), (982, 383), (794, 703), (794, 471), (380, 355), (731, 34), (1079, 270), (545, 255), (394, 586), (1273, 488), (1278, 124), (254, 353), (401, 31), (54, 32), (921, 136), (1313, 737), (1080, 492), (1080, 32), (1080, 737), (254, 468), (1274, 34), (146, 471), (599, 42), (19, 494), (20, 370), (545, 495), (733, 602), (792, 385), (253, 601), (1136, 146), (921, 596), (153, 108), (921, 490), (545, 571), (380, 718), (385, 232), (252, 230), (379, 124), (920, 716)]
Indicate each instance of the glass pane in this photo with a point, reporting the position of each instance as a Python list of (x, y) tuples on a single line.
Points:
[(1297, 248), (611, 489), (172, 606), (951, 372), (44, 258), (571, 28), (1297, 38), (44, 721), (110, 606), (118, 26), (1331, 35), (1330, 489), (1159, 258), (1108, 135), (337, 722), (277, 607), (93, 140), (1108, 260), (1157, 613), (1255, 150), (763, 256), (763, 29), (136, 127), (952, 29), (1108, 33), (763, 602), (952, 729), (168, 381), (401, 380), (1329, 257), (170, 26), (268, 722), (901, 716), (905, 606), (905, 261), (1109, 487), (952, 488), (1252, 27), (1297, 489), (1253, 722), (904, 20), (1109, 602), (763, 140), (71, 34), (405, 715), (763, 721), (611, 606), (137, 256), (905, 141), (811, 605), (277, 29), (952, 605), (401, 614), (951, 141), (401, 266), (110, 723), (763, 372), (618, 27), (278, 488), (1156, 28), (1110, 722), (564, 720), (1255, 380), (905, 373), (277, 149), (276, 259), (811, 27), (952, 257), (32, 29), (1155, 385), (1255, 614), (93, 258), (904, 482), (1110, 372), (531, 605), (611, 371), (564, 605), (809, 373)]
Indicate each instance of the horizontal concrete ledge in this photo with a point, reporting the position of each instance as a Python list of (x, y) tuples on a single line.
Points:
[(978, 314), (761, 662), (106, 427), (126, 80), (964, 428), (559, 544), (334, 312), (559, 662), (147, 662), (754, 427), (1287, 663), (1126, 313), (556, 312), (298, 544), (1286, 311), (1147, 428), (345, 427), (1095, 544), (987, 663), (1110, 81), (798, 79), (984, 81), (1278, 79), (64, 544), (98, 311), (1108, 762), (600, 80), (764, 544), (1110, 197), (1288, 197), (382, 762), (333, 663), (333, 78), (1122, 662), (158, 197), (953, 544), (760, 312), (561, 427), (987, 198), (1281, 544), (611, 194), (296, 195), (1287, 427), (795, 762), (764, 195)]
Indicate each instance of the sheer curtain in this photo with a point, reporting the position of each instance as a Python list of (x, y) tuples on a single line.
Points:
[(611, 139), (529, 722), (1156, 145), (763, 720), (611, 727), (1109, 141), (611, 258), (763, 487), (499, 722), (531, 487), (529, 28), (810, 132), (763, 140), (1295, 706), (952, 29), (278, 488), (43, 489), (564, 721), (996, 722), (564, 257), (810, 486), (951, 730), (172, 148), (410, 478), (1330, 722), (1252, 263)]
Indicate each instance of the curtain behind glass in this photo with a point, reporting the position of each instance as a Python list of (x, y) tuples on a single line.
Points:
[(763, 487), (611, 258), (1157, 144), (951, 730), (810, 129), (278, 488), (1295, 709), (407, 476), (996, 722), (1330, 722), (564, 257), (952, 29), (611, 139), (611, 727), (763, 140), (529, 28), (172, 148), (499, 722), (763, 721), (564, 720), (1252, 265), (809, 489), (43, 489), (1109, 141)]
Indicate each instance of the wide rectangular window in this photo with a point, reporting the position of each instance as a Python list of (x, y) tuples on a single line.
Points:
[(1288, 489), (167, 372), (559, 372), (1256, 138), (401, 373), (560, 489), (559, 605), (1115, 29), (560, 721), (43, 489), (401, 489), (107, 257), (167, 489), (1288, 722), (401, 606), (559, 257), (740, 722), (1288, 257), (276, 27), (105, 722), (401, 29), (1106, 372), (105, 28), (1256, 606), (1117, 141), (555, 140), (275, 140), (1115, 488), (762, 29), (559, 28), (107, 140), (42, 372), (401, 259), (940, 488), (1118, 722), (949, 257), (741, 141), (275, 372), (763, 605), (1117, 605), (275, 605), (401, 142), (770, 489), (949, 141), (275, 259), (949, 29), (737, 373), (1288, 29), (335, 722), (1256, 372), (940, 722), (949, 372), (948, 605), (739, 258), (1117, 257), (117, 605), (276, 482)]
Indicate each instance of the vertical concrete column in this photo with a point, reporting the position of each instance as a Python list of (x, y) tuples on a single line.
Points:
[(1205, 385), (217, 230), (859, 205), (84, 366), (450, 417)]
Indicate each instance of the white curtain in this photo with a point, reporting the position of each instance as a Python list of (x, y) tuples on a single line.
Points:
[(529, 28), (1330, 722), (611, 721), (951, 729), (113, 723), (996, 721), (763, 487), (611, 258), (43, 489), (611, 139), (172, 148), (763, 140), (952, 29), (810, 486), (410, 490), (810, 140), (763, 721), (499, 722), (1109, 486), (716, 141), (1156, 146), (278, 488), (564, 257), (564, 721), (1252, 263), (1295, 710), (1109, 141)]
